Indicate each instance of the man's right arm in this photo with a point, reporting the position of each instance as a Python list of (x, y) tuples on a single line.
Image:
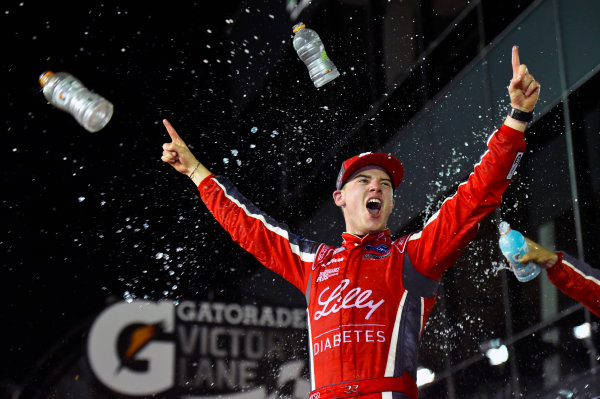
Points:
[(270, 242), (178, 155)]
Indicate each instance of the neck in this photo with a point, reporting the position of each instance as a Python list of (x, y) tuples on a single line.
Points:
[(363, 235)]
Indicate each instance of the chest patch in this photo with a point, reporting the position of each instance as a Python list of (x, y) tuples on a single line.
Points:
[(327, 273), (377, 252), (381, 248)]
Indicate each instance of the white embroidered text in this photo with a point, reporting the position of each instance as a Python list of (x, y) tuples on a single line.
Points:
[(353, 298)]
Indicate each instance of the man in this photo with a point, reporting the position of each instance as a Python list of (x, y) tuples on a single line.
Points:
[(572, 276), (368, 299)]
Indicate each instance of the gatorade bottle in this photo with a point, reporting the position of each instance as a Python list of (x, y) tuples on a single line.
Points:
[(310, 49), (67, 93), (513, 246)]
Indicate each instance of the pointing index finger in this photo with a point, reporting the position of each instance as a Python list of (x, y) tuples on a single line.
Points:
[(173, 133), (515, 61)]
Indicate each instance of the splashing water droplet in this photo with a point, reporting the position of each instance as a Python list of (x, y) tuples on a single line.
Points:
[(128, 297)]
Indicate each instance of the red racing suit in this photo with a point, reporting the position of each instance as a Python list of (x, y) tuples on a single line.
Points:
[(368, 300), (578, 280)]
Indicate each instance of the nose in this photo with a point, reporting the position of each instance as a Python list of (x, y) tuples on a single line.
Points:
[(375, 186)]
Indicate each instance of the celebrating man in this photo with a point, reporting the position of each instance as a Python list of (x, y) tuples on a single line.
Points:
[(368, 299)]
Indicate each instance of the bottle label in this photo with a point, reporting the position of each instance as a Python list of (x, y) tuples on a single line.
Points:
[(514, 258), (513, 247), (523, 271)]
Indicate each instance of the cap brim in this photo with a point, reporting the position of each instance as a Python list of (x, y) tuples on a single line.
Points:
[(388, 162)]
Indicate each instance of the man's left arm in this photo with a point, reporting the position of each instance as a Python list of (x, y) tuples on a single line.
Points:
[(449, 231)]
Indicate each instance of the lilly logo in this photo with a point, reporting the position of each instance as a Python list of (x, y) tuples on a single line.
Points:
[(354, 298)]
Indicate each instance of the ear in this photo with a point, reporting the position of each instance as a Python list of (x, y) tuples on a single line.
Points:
[(338, 198)]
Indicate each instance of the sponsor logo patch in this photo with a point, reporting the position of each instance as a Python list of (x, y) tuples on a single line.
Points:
[(338, 299), (381, 248), (513, 168), (375, 256), (325, 274)]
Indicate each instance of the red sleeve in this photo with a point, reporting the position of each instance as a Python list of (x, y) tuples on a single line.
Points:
[(578, 280), (449, 231), (269, 241)]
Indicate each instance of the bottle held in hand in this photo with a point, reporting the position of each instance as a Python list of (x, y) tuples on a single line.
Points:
[(513, 246)]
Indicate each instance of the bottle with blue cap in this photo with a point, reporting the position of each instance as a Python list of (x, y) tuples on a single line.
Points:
[(311, 50), (513, 246)]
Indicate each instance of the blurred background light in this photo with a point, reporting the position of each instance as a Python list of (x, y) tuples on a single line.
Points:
[(424, 376), (582, 331), (497, 355)]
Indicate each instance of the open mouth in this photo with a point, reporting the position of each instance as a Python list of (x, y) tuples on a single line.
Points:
[(374, 206)]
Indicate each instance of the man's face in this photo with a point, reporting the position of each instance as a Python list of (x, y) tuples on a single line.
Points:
[(366, 200)]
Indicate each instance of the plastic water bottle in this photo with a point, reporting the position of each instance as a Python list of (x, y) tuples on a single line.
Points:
[(310, 49), (513, 246), (67, 93)]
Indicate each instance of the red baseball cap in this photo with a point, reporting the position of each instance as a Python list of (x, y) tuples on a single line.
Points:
[(391, 164)]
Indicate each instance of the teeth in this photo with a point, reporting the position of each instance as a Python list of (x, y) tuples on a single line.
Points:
[(374, 206)]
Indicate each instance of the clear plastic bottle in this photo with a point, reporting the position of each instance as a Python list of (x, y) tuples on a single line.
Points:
[(310, 49), (67, 93), (513, 246)]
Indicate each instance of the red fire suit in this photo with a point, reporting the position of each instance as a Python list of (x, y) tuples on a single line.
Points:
[(578, 280), (369, 299)]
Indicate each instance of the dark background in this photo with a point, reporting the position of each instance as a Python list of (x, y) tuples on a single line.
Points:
[(87, 217)]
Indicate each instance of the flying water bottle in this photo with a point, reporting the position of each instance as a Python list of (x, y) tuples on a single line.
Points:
[(67, 93), (310, 49), (513, 246)]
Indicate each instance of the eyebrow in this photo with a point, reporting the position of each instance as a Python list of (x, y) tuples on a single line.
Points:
[(371, 177)]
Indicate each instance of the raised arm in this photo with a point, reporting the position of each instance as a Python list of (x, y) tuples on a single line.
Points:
[(269, 241), (178, 155), (449, 231)]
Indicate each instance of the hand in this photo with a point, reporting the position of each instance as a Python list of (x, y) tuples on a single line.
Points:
[(540, 255), (524, 90), (176, 153)]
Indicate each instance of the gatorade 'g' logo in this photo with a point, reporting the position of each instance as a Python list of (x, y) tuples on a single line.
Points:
[(125, 349), (132, 340)]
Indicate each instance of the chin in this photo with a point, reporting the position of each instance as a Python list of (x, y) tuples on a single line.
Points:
[(376, 229)]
